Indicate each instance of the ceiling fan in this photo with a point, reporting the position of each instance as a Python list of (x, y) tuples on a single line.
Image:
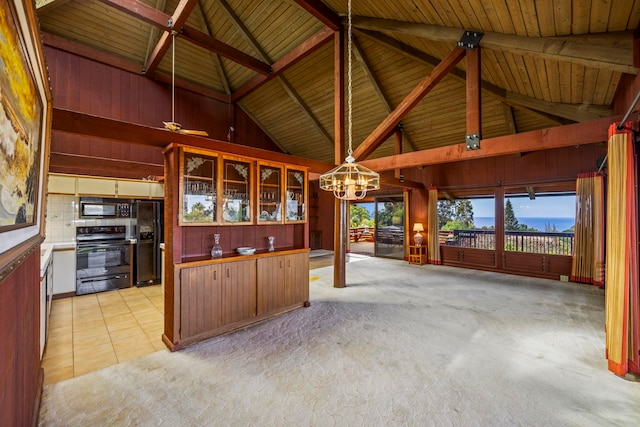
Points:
[(172, 125)]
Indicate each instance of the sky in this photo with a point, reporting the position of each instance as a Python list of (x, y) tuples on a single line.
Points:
[(540, 207)]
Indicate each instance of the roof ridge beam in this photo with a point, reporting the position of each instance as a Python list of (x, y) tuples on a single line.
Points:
[(564, 49)]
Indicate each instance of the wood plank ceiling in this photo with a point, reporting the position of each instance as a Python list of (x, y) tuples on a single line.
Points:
[(543, 63)]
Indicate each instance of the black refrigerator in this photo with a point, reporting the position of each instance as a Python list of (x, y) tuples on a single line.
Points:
[(149, 228)]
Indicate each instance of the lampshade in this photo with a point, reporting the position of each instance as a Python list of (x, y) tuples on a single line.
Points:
[(417, 238), (350, 181)]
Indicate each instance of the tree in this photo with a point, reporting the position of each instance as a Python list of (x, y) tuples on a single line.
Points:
[(359, 216), (510, 220), (459, 212)]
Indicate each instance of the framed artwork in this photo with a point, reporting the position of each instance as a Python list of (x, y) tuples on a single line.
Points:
[(25, 115)]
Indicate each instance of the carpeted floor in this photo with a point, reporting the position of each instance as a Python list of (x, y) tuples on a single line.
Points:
[(401, 345)]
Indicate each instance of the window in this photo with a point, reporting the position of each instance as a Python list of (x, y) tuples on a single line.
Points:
[(544, 224), (468, 222)]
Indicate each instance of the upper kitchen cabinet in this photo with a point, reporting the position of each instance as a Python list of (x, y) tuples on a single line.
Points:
[(199, 185), (236, 190), (96, 187), (270, 193), (296, 195)]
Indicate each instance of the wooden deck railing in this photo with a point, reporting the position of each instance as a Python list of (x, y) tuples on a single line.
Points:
[(517, 241)]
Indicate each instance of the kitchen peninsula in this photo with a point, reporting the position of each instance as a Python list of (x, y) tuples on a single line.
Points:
[(244, 201)]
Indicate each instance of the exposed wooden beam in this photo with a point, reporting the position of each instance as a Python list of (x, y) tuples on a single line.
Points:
[(102, 127), (155, 17), (376, 137), (474, 107), (531, 192), (203, 40), (288, 87), (122, 64), (214, 56), (448, 196), (322, 12), (373, 81), (551, 111), (44, 6), (509, 118), (296, 54), (544, 139), (388, 180), (563, 49)]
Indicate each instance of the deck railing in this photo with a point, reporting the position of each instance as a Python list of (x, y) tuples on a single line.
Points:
[(517, 241)]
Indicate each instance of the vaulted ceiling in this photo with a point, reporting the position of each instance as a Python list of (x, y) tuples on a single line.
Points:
[(543, 63)]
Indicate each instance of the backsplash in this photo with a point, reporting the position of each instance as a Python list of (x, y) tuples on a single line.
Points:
[(63, 217)]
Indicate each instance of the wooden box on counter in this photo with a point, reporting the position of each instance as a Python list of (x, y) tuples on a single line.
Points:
[(206, 297)]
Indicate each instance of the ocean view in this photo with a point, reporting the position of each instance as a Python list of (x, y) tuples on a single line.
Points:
[(561, 224)]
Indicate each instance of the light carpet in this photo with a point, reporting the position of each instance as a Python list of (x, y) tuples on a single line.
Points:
[(402, 345)]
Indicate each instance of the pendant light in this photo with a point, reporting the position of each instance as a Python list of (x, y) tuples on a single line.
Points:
[(350, 181)]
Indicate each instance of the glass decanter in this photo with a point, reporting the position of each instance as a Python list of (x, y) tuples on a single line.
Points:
[(216, 250), (271, 239)]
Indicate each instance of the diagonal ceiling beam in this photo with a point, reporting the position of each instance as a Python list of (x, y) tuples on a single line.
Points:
[(556, 112), (305, 49), (560, 136), (155, 17), (321, 12), (215, 57), (122, 64), (373, 81), (377, 136), (564, 49), (244, 31)]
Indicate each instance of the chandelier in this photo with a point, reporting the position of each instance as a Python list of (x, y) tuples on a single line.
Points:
[(350, 181)]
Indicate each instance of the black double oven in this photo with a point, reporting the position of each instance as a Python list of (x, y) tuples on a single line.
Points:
[(103, 261)]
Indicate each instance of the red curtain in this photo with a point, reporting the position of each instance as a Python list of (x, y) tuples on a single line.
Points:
[(432, 228)]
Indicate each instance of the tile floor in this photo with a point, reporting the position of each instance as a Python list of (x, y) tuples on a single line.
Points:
[(91, 332)]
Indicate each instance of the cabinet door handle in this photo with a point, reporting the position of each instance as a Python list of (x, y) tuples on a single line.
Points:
[(215, 275), (280, 263), (227, 272), (289, 263)]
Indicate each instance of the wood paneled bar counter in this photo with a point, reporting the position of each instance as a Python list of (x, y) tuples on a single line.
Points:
[(244, 201)]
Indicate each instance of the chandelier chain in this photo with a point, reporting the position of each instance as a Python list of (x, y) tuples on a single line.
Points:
[(349, 95)]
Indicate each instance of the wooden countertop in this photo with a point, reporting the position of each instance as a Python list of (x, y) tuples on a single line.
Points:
[(227, 257)]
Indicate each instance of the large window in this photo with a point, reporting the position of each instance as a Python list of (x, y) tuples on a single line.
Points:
[(468, 222), (544, 224)]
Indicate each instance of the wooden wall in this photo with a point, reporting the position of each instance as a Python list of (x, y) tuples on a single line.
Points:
[(82, 85), (538, 167), (20, 373)]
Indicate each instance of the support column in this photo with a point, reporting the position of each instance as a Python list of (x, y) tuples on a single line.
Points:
[(340, 230)]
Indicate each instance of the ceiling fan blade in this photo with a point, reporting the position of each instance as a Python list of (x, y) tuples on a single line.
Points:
[(193, 132)]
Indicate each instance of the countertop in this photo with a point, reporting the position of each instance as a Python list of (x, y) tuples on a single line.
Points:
[(46, 251)]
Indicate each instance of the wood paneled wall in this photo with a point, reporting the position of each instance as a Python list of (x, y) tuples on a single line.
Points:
[(79, 84), (20, 373), (539, 167)]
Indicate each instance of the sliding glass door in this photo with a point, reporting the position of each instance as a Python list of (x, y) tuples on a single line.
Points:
[(390, 223)]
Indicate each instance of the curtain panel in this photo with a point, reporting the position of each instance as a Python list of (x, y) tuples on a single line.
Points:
[(432, 228), (588, 255), (621, 276)]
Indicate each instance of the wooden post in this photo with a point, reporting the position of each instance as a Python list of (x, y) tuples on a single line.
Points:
[(340, 212)]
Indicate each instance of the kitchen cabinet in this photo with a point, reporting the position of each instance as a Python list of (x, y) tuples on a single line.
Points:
[(60, 184), (219, 295), (96, 187), (64, 267), (219, 189), (138, 189), (200, 299), (296, 195), (283, 281), (269, 193), (198, 188), (236, 190)]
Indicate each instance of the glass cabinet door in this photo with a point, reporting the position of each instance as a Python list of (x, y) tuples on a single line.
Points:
[(269, 193), (296, 195), (198, 185), (236, 191)]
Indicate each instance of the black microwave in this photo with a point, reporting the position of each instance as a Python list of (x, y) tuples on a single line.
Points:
[(98, 208)]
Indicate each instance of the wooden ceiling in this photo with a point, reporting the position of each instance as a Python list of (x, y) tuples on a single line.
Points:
[(543, 63)]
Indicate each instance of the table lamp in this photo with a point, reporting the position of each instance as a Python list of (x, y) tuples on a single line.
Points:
[(417, 227)]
